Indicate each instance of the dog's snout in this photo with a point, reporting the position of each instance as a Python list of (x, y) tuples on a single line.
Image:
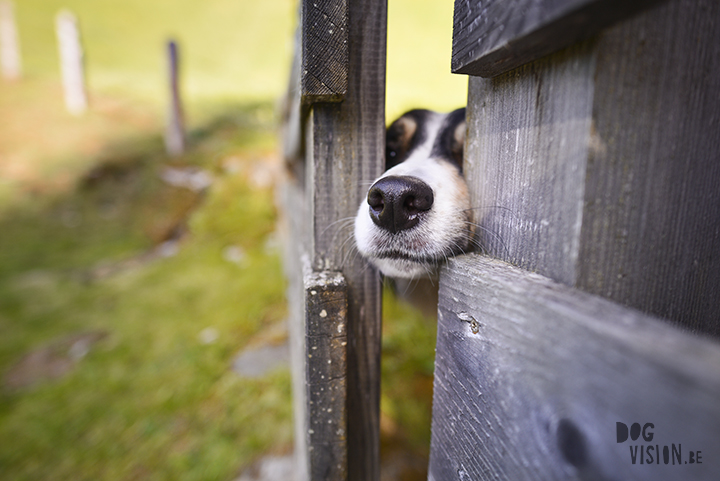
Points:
[(396, 203)]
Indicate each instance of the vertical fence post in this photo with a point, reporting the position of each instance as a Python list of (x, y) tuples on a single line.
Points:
[(10, 62), (334, 148), (71, 62), (175, 129)]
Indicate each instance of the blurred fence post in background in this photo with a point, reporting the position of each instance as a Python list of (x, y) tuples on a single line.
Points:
[(175, 130), (71, 62), (9, 45)]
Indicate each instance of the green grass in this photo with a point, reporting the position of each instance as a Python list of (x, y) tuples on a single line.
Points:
[(150, 400), (408, 347)]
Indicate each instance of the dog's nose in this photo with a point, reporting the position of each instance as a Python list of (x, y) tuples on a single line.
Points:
[(396, 203)]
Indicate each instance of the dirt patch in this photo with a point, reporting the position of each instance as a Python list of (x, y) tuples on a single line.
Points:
[(52, 361), (43, 148), (271, 468), (266, 352), (258, 362)]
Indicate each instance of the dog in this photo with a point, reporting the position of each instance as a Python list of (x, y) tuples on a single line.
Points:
[(417, 213)]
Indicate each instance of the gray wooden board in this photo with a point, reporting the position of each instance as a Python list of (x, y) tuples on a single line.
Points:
[(325, 50), (326, 374), (345, 152), (598, 166), (532, 376), (651, 231), (294, 115), (526, 149), (341, 148), (295, 262), (491, 37)]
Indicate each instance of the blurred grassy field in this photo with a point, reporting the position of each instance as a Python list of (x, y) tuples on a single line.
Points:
[(418, 58), (233, 49), (153, 398), (230, 49), (95, 248)]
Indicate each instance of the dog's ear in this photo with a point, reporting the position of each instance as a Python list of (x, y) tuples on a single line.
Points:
[(457, 145), (398, 139), (452, 142)]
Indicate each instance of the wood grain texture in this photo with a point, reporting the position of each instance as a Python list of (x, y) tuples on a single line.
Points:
[(326, 374), (325, 50), (598, 166), (651, 229), (532, 376), (525, 153), (345, 152), (342, 151), (491, 37)]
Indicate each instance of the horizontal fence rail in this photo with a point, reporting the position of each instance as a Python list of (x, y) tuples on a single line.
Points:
[(532, 378)]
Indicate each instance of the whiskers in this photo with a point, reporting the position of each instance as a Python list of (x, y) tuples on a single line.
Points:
[(484, 237), (482, 232), (339, 225), (341, 234)]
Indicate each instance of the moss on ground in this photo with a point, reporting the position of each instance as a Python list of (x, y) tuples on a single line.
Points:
[(151, 397)]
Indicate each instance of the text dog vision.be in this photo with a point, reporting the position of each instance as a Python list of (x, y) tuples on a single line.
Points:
[(650, 454)]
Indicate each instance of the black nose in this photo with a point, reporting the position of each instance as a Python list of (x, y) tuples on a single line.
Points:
[(396, 203)]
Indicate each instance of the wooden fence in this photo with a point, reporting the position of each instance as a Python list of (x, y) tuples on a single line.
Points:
[(335, 146), (583, 343)]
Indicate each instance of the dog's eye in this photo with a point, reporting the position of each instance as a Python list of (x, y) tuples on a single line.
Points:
[(392, 153)]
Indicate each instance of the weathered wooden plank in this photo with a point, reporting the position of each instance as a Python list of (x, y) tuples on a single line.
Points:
[(532, 378), (325, 50), (294, 117), (344, 153), (326, 374), (525, 157), (340, 146), (651, 229), (597, 166), (491, 37), (296, 262)]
